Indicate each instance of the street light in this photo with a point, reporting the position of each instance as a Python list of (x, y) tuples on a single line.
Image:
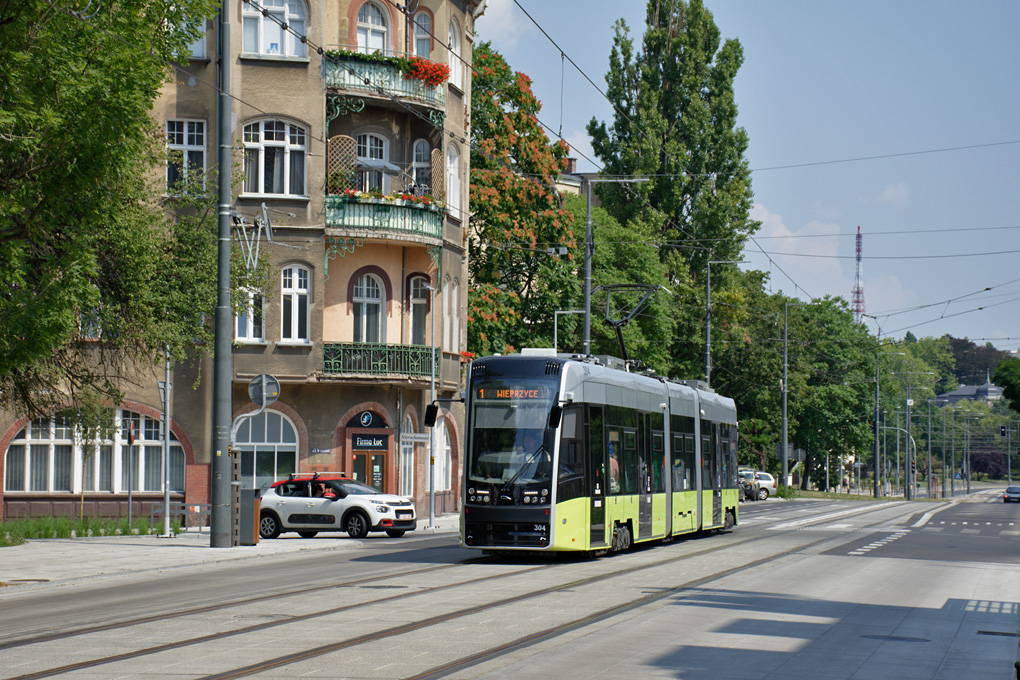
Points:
[(911, 460), (708, 316), (432, 401), (588, 247), (877, 355), (786, 306)]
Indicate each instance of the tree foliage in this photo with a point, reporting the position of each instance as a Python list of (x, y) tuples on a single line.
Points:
[(89, 246), (517, 214)]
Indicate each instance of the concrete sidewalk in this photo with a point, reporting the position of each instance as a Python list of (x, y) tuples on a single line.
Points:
[(54, 561)]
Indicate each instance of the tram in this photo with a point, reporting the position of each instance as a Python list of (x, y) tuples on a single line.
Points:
[(568, 453)]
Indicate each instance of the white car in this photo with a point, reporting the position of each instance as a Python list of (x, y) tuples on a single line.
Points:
[(766, 485), (310, 504)]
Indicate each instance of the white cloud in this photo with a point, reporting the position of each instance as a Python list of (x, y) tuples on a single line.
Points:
[(806, 255), (580, 148), (504, 25), (896, 195)]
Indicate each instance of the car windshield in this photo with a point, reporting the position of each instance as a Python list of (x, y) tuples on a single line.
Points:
[(1013, 489), (358, 489)]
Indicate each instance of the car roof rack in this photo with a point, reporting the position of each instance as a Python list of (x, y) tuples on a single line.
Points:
[(314, 475)]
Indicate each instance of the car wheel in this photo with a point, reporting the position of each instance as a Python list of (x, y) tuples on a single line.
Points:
[(269, 525), (307, 534), (356, 525), (394, 533), (763, 494)]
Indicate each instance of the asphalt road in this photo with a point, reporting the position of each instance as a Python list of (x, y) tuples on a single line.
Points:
[(801, 589)]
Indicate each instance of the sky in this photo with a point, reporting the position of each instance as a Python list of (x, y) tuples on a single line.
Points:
[(901, 118)]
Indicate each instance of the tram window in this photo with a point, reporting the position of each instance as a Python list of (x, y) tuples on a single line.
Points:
[(658, 483), (597, 464), (570, 475), (707, 460), (615, 456), (630, 465)]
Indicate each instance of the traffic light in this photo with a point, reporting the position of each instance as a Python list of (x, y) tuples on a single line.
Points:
[(1002, 430)]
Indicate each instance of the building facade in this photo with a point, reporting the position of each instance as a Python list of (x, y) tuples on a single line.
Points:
[(349, 125)]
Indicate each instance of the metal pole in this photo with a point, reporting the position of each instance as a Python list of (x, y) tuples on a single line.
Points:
[(943, 447), (166, 448), (219, 534), (952, 471), (929, 448), (587, 274), (782, 482), (967, 459), (876, 426), (432, 434), (708, 324), (909, 472)]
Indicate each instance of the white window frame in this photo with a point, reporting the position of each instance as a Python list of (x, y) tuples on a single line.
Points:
[(372, 146), (406, 464), (362, 299), (455, 61), (261, 35), (284, 448), (442, 471), (250, 325), (423, 35), (292, 140), (295, 293), (418, 302), (421, 165), (43, 442), (186, 136), (373, 35), (453, 181)]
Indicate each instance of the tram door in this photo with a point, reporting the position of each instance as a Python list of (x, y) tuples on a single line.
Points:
[(597, 479)]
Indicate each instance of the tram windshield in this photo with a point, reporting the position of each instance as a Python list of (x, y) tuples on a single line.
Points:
[(510, 445)]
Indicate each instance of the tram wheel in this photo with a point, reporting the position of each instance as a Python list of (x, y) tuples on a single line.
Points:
[(730, 520)]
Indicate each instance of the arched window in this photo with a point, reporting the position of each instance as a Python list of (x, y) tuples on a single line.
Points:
[(421, 167), (295, 291), (419, 310), (444, 456), (373, 151), (368, 309), (422, 35), (274, 158), (456, 65), (373, 30), (268, 447), (263, 33), (407, 459), (453, 181)]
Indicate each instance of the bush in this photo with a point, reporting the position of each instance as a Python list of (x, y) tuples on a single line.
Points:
[(786, 492)]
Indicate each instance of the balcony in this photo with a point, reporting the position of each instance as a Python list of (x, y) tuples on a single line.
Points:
[(368, 359), (379, 77), (373, 216)]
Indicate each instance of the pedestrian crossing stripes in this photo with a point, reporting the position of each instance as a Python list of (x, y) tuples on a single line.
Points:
[(878, 544)]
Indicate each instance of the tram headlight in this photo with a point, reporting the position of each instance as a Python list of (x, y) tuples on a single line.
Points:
[(545, 492), (471, 491)]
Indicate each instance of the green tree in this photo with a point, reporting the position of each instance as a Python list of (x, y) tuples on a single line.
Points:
[(88, 249), (517, 282), (675, 123), (1007, 376)]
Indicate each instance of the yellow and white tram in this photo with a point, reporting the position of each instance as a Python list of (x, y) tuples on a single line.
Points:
[(578, 454)]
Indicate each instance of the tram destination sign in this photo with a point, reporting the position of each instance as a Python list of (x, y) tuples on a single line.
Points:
[(510, 393)]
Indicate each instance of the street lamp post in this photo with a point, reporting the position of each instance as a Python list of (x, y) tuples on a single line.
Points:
[(911, 461), (588, 247), (877, 355), (432, 434), (786, 389), (708, 316)]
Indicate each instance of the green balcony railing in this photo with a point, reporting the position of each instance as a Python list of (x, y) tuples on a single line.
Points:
[(383, 80), (376, 359), (381, 214)]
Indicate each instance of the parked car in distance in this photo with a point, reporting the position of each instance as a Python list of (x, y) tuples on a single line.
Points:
[(1012, 493), (766, 485), (317, 502), (748, 484)]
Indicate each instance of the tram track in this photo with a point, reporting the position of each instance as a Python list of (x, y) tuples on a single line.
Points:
[(424, 623)]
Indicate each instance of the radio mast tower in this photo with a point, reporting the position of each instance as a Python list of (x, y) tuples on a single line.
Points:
[(858, 291)]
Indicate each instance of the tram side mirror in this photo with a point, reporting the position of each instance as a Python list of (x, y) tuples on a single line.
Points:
[(554, 416), (431, 412)]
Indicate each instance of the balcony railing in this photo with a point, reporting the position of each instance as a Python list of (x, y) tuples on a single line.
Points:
[(375, 359), (380, 214), (379, 79)]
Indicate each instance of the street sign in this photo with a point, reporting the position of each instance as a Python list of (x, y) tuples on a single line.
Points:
[(264, 389)]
